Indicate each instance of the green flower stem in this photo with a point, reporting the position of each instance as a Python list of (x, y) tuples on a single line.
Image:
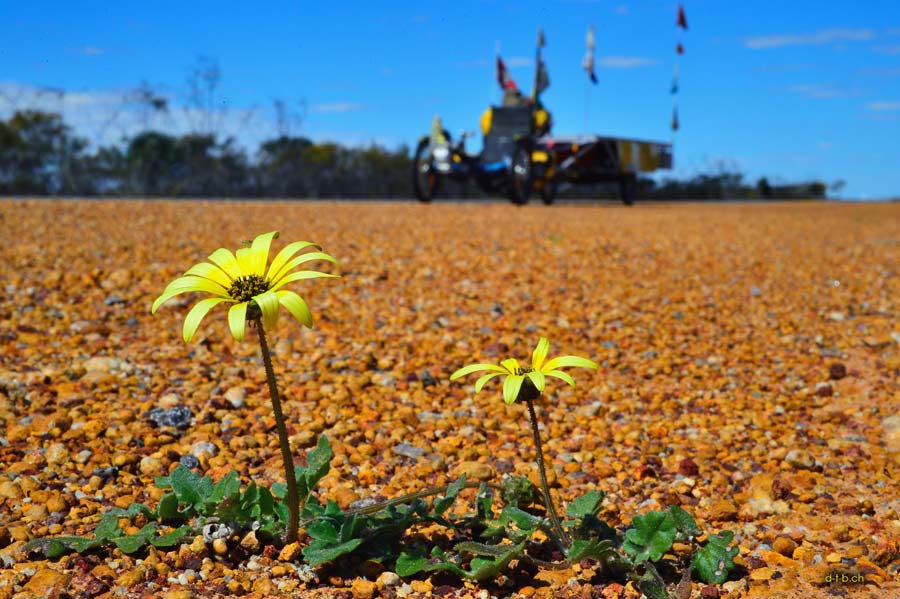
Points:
[(293, 497), (554, 518)]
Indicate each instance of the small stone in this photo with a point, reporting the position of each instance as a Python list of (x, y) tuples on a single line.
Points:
[(363, 589), (784, 546), (10, 489), (388, 579), (113, 300), (824, 390), (755, 291), (204, 449), (289, 552), (57, 454), (236, 396), (891, 428), (804, 554), (409, 451), (688, 467), (833, 558), (250, 542), (421, 586), (764, 573), (837, 371), (100, 364), (177, 417), (800, 458), (198, 545), (151, 466), (475, 471), (220, 546), (47, 583), (180, 594), (723, 510), (709, 592)]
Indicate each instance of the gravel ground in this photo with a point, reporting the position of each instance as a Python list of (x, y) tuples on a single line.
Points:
[(749, 358)]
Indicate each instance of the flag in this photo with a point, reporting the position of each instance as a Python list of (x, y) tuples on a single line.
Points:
[(679, 49), (541, 78), (674, 89), (541, 42), (674, 119), (682, 21), (503, 76), (588, 63)]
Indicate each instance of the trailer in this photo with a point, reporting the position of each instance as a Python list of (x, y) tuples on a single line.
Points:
[(516, 162)]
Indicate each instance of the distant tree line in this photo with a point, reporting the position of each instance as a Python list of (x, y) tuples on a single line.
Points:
[(40, 156)]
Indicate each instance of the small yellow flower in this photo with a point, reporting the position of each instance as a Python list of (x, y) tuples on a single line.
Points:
[(517, 375), (242, 280)]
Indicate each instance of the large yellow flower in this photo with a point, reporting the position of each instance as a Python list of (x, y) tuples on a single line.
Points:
[(241, 279), (516, 375)]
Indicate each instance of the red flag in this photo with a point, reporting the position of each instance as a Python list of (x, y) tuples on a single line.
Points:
[(679, 49), (682, 21), (503, 76)]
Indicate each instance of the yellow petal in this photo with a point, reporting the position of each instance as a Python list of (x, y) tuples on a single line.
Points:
[(237, 320), (563, 376), (483, 379), (537, 377), (299, 275), (268, 305), (187, 284), (259, 252), (511, 364), (286, 253), (211, 272), (244, 257), (540, 353), (300, 260), (193, 318), (475, 368), (225, 260), (511, 387), (296, 306), (563, 361)]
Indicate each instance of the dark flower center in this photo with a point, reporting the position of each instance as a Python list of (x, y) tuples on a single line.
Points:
[(524, 370), (244, 288)]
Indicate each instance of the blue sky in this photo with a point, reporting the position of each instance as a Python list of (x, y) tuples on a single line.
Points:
[(794, 90)]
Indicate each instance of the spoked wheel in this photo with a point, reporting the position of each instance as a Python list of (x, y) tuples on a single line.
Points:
[(425, 178), (520, 173), (628, 189), (548, 191)]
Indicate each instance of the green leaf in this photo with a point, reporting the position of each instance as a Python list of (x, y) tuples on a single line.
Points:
[(323, 530), (130, 543), (108, 528), (407, 565), (318, 461), (279, 490), (228, 485), (526, 522), (186, 484), (484, 569), (249, 497), (587, 504), (57, 547), (318, 553), (684, 522), (597, 549), (517, 491), (650, 536), (651, 583), (133, 510), (168, 508), (714, 561), (442, 504), (172, 538)]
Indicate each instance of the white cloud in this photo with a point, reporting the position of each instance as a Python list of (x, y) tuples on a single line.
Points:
[(626, 62), (107, 117), (520, 61), (883, 106), (820, 92), (824, 36), (336, 107)]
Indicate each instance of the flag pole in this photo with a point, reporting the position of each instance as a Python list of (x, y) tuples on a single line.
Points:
[(587, 104), (493, 95)]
